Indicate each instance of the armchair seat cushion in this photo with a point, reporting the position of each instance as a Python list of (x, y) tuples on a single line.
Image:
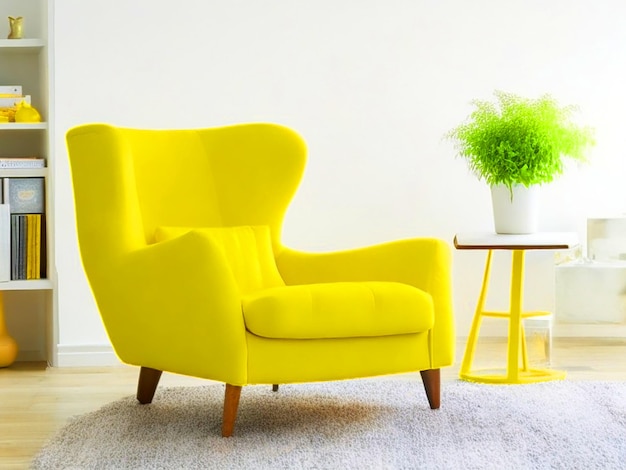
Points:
[(338, 310)]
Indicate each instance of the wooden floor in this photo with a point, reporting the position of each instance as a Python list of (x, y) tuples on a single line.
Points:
[(36, 401)]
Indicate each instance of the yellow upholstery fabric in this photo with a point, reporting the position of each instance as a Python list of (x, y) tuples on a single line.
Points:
[(178, 299), (312, 311), (334, 359), (424, 263), (338, 310), (247, 251)]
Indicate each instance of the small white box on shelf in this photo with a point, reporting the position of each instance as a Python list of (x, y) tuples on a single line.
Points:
[(11, 90)]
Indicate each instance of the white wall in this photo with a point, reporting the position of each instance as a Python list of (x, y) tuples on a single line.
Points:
[(372, 86)]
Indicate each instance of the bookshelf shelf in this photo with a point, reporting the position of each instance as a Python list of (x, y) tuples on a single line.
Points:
[(32, 284), (22, 44), (23, 172), (21, 126)]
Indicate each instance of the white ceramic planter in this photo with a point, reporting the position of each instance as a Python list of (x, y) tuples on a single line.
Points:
[(517, 214)]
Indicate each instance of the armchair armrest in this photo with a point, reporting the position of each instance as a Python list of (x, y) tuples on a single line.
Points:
[(175, 306), (424, 263)]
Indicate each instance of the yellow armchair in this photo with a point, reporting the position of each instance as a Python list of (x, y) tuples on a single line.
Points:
[(179, 234)]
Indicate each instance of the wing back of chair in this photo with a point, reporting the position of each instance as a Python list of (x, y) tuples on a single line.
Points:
[(127, 182)]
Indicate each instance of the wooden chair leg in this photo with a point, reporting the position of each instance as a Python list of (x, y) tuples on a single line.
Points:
[(148, 381), (231, 403), (275, 388), (432, 385)]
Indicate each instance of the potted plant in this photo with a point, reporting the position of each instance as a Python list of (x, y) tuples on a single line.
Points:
[(516, 144)]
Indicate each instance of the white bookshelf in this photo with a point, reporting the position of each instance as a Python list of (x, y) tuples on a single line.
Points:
[(30, 305)]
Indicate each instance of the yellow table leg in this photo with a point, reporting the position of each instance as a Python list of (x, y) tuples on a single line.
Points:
[(515, 312), (516, 341), (470, 347), (516, 309)]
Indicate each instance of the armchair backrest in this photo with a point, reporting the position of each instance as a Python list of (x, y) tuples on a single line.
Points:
[(127, 182)]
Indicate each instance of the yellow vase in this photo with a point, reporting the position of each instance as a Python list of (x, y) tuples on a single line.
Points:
[(26, 113), (8, 346)]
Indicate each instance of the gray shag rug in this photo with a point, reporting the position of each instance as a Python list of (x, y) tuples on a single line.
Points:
[(357, 424)]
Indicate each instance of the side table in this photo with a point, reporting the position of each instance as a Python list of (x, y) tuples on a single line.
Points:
[(516, 349)]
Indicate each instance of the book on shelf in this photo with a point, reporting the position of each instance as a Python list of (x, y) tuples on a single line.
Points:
[(21, 255), (17, 231), (37, 274), (14, 90), (33, 249), (5, 243), (26, 246), (22, 162), (14, 241), (24, 195)]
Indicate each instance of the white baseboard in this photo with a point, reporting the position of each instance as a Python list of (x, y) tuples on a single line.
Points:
[(87, 355)]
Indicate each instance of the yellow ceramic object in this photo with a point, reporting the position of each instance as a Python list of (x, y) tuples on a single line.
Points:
[(8, 351), (8, 346), (26, 113), (16, 26)]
